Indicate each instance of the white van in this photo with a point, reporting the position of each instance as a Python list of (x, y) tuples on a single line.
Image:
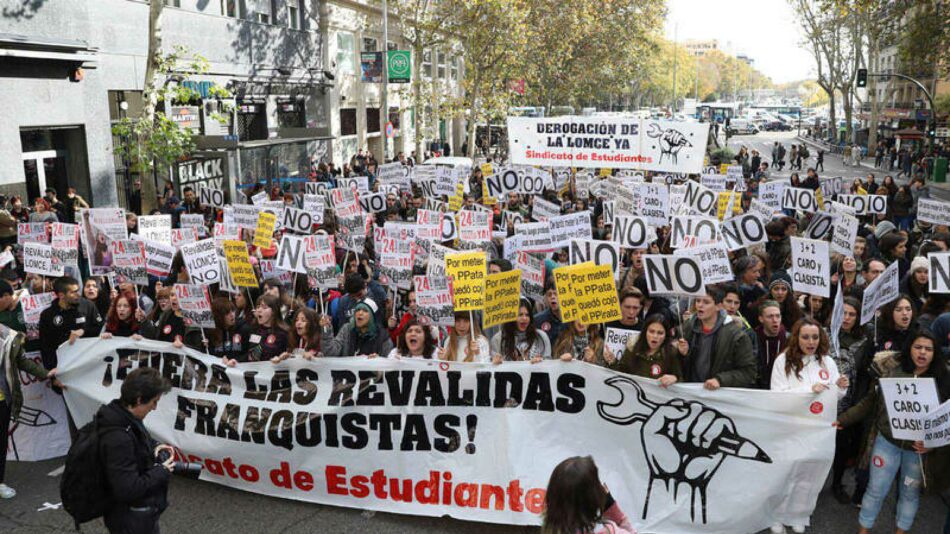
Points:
[(742, 127)]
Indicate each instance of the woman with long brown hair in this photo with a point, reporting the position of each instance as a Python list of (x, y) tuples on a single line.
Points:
[(651, 355), (306, 340), (228, 339), (460, 346), (580, 341), (576, 501)]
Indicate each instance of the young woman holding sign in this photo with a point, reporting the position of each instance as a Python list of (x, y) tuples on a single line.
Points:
[(460, 347), (888, 455), (580, 341), (520, 340), (651, 355)]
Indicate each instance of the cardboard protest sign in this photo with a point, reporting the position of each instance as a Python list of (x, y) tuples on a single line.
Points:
[(701, 200), (908, 402), (502, 298), (195, 221), (797, 198), (290, 254), (129, 261), (743, 231), (704, 229), (595, 294), (474, 226), (937, 427), (183, 236), (373, 203), (532, 274), (535, 237), (264, 233), (567, 301), (212, 197), (933, 211), (725, 200), (542, 210), (201, 260), (433, 301), (5, 258), (298, 221), (884, 288), (865, 204), (65, 242), (315, 205), (615, 142), (396, 261), (632, 232), (195, 305), (714, 182), (33, 306), (360, 184), (239, 265), (821, 224), (811, 271), (39, 259), (771, 194), (320, 260), (467, 271), (654, 203), (617, 339), (158, 258), (571, 226), (98, 227), (673, 275), (32, 233), (714, 260), (259, 198), (939, 272), (844, 234), (598, 252), (245, 215)]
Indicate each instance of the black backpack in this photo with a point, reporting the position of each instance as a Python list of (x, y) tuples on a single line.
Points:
[(83, 489)]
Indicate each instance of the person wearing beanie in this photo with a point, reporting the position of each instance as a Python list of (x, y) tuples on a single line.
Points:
[(780, 290), (361, 335), (354, 285), (883, 228), (915, 283)]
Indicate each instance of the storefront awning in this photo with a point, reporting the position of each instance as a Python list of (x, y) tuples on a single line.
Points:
[(909, 133), (47, 48)]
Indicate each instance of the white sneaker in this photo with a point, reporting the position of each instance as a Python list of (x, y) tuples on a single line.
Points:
[(6, 492), (778, 528), (798, 529)]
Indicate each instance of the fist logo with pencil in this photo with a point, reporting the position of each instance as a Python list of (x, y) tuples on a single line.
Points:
[(684, 442)]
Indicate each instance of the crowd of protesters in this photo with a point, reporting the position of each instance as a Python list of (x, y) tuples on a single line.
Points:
[(756, 332)]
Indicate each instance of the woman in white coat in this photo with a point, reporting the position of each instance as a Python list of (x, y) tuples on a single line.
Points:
[(806, 366)]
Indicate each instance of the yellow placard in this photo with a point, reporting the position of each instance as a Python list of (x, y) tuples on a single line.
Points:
[(502, 297), (467, 271), (242, 273), (266, 222), (565, 292), (455, 201), (724, 203), (595, 294), (486, 172), (605, 172), (723, 167), (819, 199)]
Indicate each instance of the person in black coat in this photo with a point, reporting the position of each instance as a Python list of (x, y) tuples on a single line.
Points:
[(137, 481)]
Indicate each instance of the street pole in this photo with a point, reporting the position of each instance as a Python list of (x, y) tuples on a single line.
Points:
[(932, 122), (385, 93)]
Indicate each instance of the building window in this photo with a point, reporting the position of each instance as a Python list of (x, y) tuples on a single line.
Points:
[(394, 117), (252, 121), (391, 46), (290, 113), (370, 44), (345, 53), (372, 120), (264, 11), (427, 63), (233, 8), (441, 68), (348, 121), (173, 3), (454, 68), (293, 14)]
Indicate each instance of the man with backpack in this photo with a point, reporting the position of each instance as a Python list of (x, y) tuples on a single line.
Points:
[(113, 470)]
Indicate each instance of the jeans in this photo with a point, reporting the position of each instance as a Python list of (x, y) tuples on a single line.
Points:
[(904, 222), (886, 459)]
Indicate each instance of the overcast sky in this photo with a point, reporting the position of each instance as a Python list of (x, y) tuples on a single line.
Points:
[(765, 30)]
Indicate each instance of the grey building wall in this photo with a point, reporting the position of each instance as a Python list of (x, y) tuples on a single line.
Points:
[(38, 92)]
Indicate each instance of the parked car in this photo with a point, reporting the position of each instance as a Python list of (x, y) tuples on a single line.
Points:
[(777, 126), (742, 127)]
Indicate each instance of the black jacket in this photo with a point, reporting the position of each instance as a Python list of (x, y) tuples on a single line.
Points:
[(56, 324), (137, 484)]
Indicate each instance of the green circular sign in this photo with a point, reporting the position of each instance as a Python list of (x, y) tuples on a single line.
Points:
[(399, 64)]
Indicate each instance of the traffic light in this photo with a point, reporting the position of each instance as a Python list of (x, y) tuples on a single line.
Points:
[(862, 77)]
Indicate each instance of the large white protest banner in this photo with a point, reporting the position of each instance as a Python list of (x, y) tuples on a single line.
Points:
[(908, 401), (40, 432), (614, 142), (811, 268), (884, 288), (673, 275), (933, 211), (440, 434)]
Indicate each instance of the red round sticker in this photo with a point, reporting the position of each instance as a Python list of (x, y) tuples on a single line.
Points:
[(168, 329), (271, 339), (823, 374), (878, 461), (545, 326), (887, 345), (816, 407), (236, 338), (655, 370), (444, 366)]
